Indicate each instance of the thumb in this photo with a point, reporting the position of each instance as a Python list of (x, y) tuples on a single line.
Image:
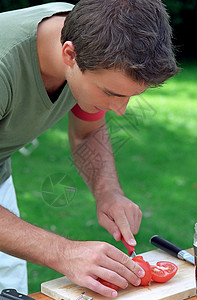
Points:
[(128, 239)]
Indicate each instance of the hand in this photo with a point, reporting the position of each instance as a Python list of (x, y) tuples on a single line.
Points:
[(119, 215), (84, 262)]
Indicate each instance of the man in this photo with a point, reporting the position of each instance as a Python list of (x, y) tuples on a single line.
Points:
[(84, 63)]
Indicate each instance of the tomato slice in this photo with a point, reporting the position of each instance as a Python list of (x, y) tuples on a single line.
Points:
[(108, 284), (163, 271), (147, 269)]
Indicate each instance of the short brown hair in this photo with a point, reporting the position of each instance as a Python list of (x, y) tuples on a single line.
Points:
[(131, 35)]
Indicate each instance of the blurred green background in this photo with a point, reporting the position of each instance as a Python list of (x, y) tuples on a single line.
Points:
[(155, 146)]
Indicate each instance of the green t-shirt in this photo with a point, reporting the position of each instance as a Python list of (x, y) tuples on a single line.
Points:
[(25, 108)]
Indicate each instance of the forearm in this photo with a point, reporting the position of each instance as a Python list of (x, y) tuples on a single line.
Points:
[(92, 153), (94, 160), (21, 239)]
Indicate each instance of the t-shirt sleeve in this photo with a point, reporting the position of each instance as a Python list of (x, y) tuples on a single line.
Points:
[(4, 98), (90, 117)]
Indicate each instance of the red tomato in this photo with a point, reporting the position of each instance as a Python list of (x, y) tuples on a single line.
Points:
[(108, 284), (163, 271), (146, 267)]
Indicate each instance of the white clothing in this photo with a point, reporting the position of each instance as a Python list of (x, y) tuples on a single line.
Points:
[(13, 271)]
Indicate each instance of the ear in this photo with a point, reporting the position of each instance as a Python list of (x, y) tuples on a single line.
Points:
[(68, 53)]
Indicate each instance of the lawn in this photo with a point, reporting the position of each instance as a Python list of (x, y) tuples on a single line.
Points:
[(155, 147)]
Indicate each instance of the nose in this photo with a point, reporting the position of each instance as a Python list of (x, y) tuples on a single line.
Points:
[(119, 109)]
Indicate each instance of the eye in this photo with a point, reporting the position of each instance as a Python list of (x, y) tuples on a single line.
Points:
[(108, 94)]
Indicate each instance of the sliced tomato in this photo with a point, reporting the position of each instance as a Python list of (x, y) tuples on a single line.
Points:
[(163, 271), (147, 269), (108, 284)]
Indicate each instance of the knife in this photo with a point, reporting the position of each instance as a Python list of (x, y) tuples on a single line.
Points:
[(131, 249), (12, 294), (171, 248)]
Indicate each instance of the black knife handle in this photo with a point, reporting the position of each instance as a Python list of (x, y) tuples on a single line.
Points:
[(165, 245), (12, 294)]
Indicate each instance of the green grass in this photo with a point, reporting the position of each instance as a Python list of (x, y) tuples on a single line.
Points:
[(157, 170)]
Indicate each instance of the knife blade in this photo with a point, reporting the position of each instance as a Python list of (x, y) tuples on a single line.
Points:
[(172, 249)]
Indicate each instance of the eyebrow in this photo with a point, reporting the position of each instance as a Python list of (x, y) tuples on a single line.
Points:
[(113, 93)]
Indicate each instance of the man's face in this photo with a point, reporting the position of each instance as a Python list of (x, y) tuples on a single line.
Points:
[(103, 89)]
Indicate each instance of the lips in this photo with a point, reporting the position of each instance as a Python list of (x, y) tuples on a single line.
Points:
[(98, 109), (104, 109)]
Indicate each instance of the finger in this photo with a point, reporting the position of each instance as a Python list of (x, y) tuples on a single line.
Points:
[(119, 274), (111, 226), (121, 221), (138, 219), (134, 217), (99, 288), (126, 262), (111, 276)]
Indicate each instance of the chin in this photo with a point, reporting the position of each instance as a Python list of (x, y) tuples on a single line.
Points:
[(90, 110)]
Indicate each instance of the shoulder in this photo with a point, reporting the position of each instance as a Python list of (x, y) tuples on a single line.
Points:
[(20, 24), (51, 24)]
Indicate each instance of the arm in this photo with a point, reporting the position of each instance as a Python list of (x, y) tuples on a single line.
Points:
[(82, 262), (91, 150), (77, 260)]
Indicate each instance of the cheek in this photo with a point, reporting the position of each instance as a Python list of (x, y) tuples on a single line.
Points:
[(75, 89), (84, 93), (89, 93)]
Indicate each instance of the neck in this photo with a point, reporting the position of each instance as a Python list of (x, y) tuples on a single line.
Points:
[(49, 50)]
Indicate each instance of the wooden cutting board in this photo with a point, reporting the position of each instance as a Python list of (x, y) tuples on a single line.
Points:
[(181, 286)]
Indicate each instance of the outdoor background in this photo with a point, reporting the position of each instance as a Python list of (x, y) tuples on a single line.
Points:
[(155, 148)]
